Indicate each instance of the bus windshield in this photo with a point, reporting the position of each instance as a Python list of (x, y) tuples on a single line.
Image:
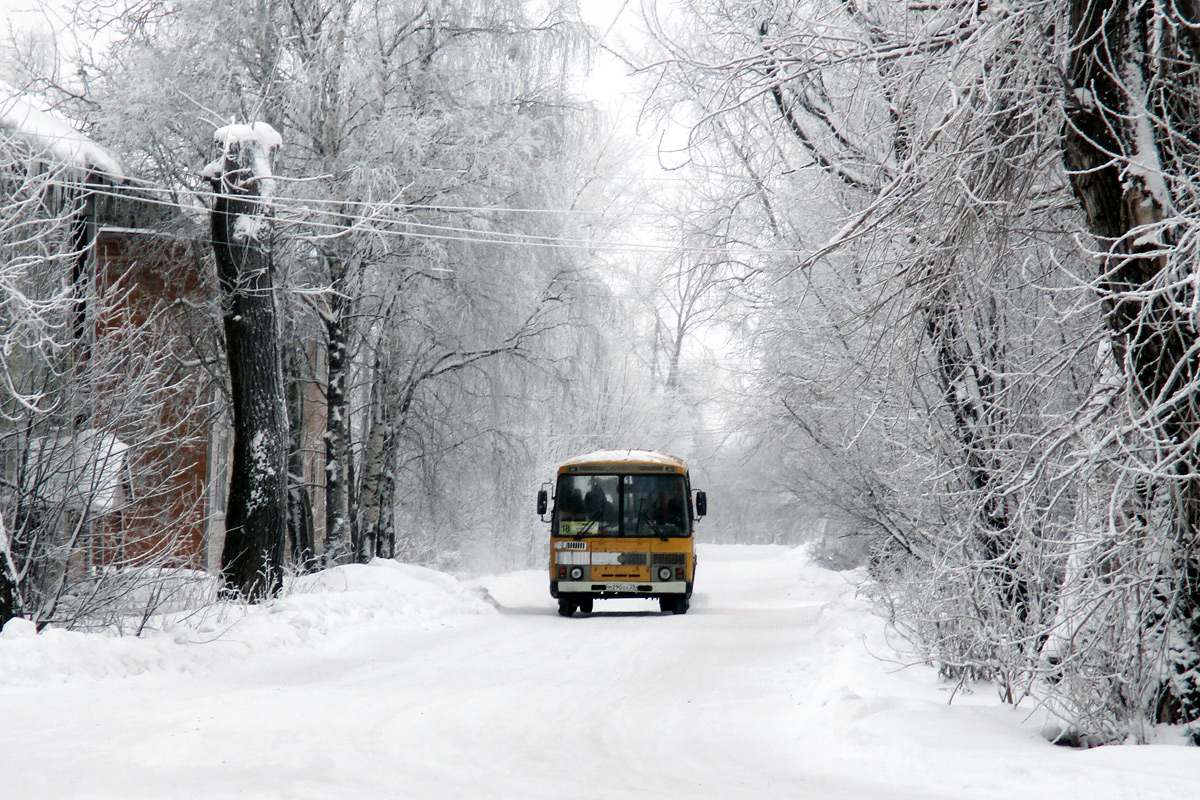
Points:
[(622, 505)]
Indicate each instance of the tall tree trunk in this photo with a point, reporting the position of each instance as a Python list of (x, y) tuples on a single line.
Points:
[(378, 453), (256, 518), (300, 512), (337, 443), (9, 599), (1132, 82), (675, 355)]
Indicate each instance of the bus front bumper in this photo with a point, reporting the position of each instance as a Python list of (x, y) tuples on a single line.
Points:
[(620, 588)]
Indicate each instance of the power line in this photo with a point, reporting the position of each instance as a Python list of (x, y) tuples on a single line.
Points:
[(400, 206), (430, 231), (396, 205)]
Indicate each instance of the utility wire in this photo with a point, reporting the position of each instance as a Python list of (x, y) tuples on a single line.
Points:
[(421, 230), (400, 206)]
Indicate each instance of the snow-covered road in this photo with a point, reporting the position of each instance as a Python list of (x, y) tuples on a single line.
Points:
[(394, 682)]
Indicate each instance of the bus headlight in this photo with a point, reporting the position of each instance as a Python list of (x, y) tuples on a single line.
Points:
[(576, 573), (664, 573)]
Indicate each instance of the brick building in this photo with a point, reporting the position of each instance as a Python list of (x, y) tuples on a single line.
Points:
[(134, 460)]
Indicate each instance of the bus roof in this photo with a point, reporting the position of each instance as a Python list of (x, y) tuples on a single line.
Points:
[(624, 461)]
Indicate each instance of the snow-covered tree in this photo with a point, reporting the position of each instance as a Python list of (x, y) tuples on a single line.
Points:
[(421, 249), (1131, 149), (941, 332), (256, 517)]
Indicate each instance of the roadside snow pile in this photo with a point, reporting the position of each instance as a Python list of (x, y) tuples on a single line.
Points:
[(311, 609), (382, 591), (525, 589)]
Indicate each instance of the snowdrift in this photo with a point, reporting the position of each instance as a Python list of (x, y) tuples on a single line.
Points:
[(311, 608), (369, 680)]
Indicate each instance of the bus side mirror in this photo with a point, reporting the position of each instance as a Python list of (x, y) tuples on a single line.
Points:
[(701, 504), (543, 501)]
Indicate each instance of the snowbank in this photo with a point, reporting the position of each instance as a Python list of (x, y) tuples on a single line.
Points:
[(311, 609)]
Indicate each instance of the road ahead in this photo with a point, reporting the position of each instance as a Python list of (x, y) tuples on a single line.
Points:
[(763, 690)]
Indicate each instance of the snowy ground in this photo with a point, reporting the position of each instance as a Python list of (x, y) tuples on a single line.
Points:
[(389, 681)]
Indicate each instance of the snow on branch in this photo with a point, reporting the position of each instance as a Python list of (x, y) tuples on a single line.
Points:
[(246, 152), (243, 168)]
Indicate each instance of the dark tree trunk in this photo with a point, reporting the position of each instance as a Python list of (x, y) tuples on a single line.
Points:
[(300, 512), (1114, 85), (337, 449), (256, 518), (8, 583)]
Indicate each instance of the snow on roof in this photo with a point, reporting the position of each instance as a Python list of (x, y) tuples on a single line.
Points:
[(56, 138), (626, 457), (83, 471)]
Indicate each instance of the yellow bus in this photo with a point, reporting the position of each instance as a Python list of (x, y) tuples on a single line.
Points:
[(621, 526)]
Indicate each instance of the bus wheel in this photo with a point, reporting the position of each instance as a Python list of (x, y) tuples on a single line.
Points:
[(585, 605), (673, 605), (565, 607)]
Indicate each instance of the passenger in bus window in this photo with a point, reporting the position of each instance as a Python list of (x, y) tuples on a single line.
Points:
[(571, 509), (673, 514), (596, 502)]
